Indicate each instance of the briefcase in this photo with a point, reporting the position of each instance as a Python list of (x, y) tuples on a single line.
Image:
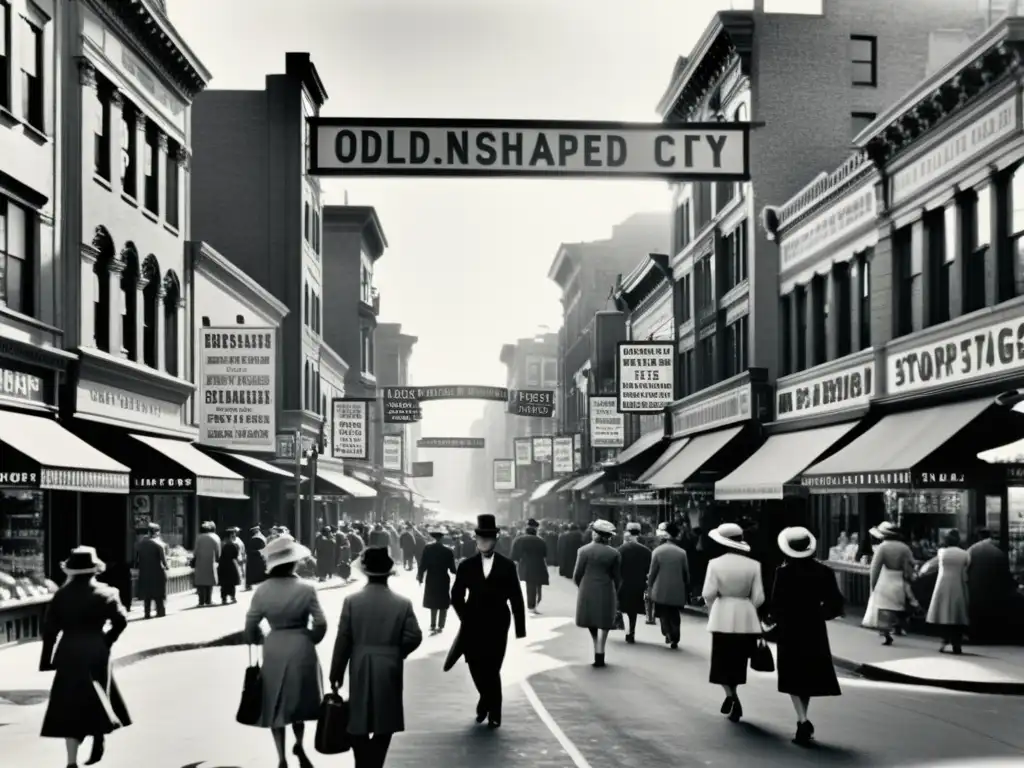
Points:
[(332, 726), (250, 708)]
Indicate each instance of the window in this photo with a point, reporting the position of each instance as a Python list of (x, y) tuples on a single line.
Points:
[(864, 59), (785, 318), (736, 256), (864, 297), (686, 297), (736, 347), (1015, 189), (305, 221), (551, 373), (16, 279), (316, 230), (800, 308), (101, 132), (684, 232), (152, 192), (976, 210), (938, 273), (366, 283), (706, 362), (703, 212), (305, 307), (819, 317), (129, 148), (842, 299), (171, 180), (5, 55), (724, 193), (903, 283), (32, 75), (705, 288), (366, 350), (687, 373), (316, 313), (129, 305), (859, 121), (171, 324), (150, 308)]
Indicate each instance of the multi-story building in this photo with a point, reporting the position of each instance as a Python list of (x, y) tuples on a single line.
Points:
[(392, 351)]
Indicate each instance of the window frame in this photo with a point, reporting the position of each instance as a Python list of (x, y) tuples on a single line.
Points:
[(870, 117), (26, 290), (5, 58), (872, 40), (33, 96)]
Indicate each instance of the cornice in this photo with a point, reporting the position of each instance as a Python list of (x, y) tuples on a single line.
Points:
[(208, 261)]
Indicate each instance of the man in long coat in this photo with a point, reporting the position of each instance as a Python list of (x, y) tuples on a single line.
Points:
[(407, 542), (551, 541), (151, 561), (570, 546), (991, 592), (529, 553), (206, 556), (635, 563), (434, 566), (326, 552), (492, 586), (255, 565), (669, 584)]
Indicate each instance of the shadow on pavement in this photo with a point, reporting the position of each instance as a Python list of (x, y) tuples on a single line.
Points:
[(24, 698)]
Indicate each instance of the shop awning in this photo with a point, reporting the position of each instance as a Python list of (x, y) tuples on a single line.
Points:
[(37, 452), (689, 460), (544, 489), (187, 469), (670, 453), (776, 464), (249, 466), (344, 484), (893, 453), (397, 485), (643, 444), (586, 481)]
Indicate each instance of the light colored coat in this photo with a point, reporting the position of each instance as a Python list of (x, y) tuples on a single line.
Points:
[(668, 581), (948, 606), (598, 574), (733, 591), (206, 556)]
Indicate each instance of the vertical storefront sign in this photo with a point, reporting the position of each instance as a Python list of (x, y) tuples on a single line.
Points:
[(350, 427), (542, 449), (523, 451), (561, 456), (391, 453), (504, 474), (577, 451), (607, 424), (237, 388), (646, 376)]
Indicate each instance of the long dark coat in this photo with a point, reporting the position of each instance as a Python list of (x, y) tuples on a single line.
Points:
[(635, 563), (570, 543), (408, 544), (84, 699), (356, 544), (229, 565), (551, 542), (326, 555), (482, 605), (255, 564), (805, 596), (598, 575), (504, 545), (530, 553), (151, 560), (434, 566)]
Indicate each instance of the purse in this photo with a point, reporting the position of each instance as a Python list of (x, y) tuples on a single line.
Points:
[(332, 726), (619, 621), (761, 660), (250, 708)]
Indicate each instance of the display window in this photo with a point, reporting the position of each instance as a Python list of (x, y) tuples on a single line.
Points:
[(168, 510), (22, 545)]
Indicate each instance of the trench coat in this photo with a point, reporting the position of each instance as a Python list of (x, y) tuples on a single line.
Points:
[(551, 542), (598, 576), (569, 544), (151, 560), (206, 556), (229, 565), (255, 564), (668, 582), (948, 606), (635, 561), (529, 553), (326, 556), (377, 632), (434, 566), (408, 544)]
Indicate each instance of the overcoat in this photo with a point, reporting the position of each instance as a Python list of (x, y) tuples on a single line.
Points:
[(530, 554), (377, 632), (408, 543), (355, 544), (326, 555), (229, 565), (151, 560), (948, 606), (551, 541), (598, 577), (482, 605), (206, 556), (570, 543), (635, 561), (434, 566), (255, 564), (668, 582)]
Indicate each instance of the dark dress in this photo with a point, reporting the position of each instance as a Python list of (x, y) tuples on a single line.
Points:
[(255, 565), (229, 566), (551, 542), (84, 699), (355, 544), (635, 565), (437, 562), (805, 596)]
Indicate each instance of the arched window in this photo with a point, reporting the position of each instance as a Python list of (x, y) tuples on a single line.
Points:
[(104, 244), (150, 307), (305, 386), (129, 301), (172, 296)]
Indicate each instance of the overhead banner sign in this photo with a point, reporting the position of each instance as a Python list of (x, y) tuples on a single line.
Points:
[(528, 148), (391, 453), (450, 442), (542, 449), (350, 427), (400, 405), (562, 456), (504, 474), (461, 392), (423, 469), (607, 424), (532, 402), (237, 381), (646, 376), (523, 451)]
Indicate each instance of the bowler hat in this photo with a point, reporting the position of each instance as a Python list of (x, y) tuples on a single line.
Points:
[(486, 525), (377, 562)]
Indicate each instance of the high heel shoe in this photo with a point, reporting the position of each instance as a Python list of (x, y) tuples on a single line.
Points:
[(886, 639), (804, 733), (727, 705), (598, 659), (737, 710), (99, 746), (300, 753)]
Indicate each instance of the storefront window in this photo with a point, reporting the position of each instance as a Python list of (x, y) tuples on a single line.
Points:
[(925, 518), (843, 532), (168, 511), (22, 544), (1015, 501)]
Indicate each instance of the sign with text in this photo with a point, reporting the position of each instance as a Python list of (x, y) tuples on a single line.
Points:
[(646, 376), (115, 404), (400, 405), (285, 447), (15, 385), (607, 424), (504, 474), (459, 392), (237, 387), (528, 148), (827, 228), (542, 449), (885, 480), (531, 402), (350, 427), (391, 453), (523, 450), (717, 411), (423, 469), (561, 456), (840, 391), (450, 442), (577, 451)]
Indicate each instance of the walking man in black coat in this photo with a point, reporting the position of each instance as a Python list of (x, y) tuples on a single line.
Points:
[(492, 585), (435, 564), (529, 553)]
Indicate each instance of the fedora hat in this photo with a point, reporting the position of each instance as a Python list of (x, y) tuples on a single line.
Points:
[(486, 526), (83, 560), (376, 561), (884, 530), (633, 527), (730, 535), (531, 523), (282, 550), (797, 542)]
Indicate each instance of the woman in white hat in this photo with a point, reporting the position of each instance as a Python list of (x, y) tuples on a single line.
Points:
[(804, 597), (733, 591), (892, 567), (598, 576), (84, 699), (292, 683)]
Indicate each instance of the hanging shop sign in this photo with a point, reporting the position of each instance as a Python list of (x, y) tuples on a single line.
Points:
[(400, 405), (423, 469), (113, 404), (391, 453), (577, 451), (646, 376), (607, 423), (55, 479), (21, 387), (542, 449), (842, 390), (986, 351), (450, 442), (285, 446), (714, 412), (528, 148), (531, 402), (828, 228), (237, 386), (161, 483), (504, 474), (523, 451), (350, 427), (561, 456)]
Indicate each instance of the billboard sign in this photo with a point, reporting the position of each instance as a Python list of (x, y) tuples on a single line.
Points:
[(423, 469), (539, 403), (450, 442), (391, 453), (238, 388), (504, 474), (562, 456), (350, 427), (542, 449), (607, 425), (646, 376), (523, 451)]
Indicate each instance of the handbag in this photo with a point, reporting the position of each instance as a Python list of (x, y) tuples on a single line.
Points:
[(332, 726), (619, 621), (250, 708), (761, 660)]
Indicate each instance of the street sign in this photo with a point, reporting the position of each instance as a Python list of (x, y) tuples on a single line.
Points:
[(539, 403), (450, 442)]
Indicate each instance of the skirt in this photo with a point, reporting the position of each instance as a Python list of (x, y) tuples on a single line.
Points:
[(888, 601), (84, 698), (292, 681), (730, 656)]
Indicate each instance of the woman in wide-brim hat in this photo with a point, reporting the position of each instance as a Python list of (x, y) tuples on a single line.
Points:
[(892, 567), (292, 682), (598, 576), (84, 698)]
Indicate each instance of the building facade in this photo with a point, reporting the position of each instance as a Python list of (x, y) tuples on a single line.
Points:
[(393, 355)]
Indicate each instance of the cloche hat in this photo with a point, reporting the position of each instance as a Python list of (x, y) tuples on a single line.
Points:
[(83, 560), (797, 542), (730, 535), (376, 561), (531, 523), (603, 527), (282, 550)]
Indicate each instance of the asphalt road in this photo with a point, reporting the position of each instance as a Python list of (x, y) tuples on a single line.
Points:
[(650, 706)]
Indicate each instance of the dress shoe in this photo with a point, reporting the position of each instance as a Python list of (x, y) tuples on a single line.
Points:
[(300, 753), (99, 746), (804, 733), (494, 722), (630, 638), (737, 710), (598, 660), (727, 705), (481, 712)]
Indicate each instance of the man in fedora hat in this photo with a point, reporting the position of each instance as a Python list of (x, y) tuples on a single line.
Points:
[(492, 585), (529, 553), (151, 562)]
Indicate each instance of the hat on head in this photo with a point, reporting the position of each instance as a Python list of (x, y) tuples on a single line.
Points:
[(255, 531), (283, 550), (662, 526), (486, 526), (232, 529), (208, 526), (153, 529), (885, 530), (661, 533), (376, 561), (603, 527), (730, 535), (437, 530), (633, 527), (83, 560), (672, 530), (797, 542), (531, 523)]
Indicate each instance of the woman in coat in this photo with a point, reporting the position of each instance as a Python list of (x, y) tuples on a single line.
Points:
[(84, 699), (204, 560), (436, 566), (229, 566), (255, 565), (804, 597), (892, 567), (292, 683), (598, 576), (733, 591), (377, 632), (948, 606), (634, 563)]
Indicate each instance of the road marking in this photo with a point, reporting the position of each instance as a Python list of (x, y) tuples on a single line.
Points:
[(545, 717)]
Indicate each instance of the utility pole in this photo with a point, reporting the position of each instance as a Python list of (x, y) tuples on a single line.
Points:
[(298, 484)]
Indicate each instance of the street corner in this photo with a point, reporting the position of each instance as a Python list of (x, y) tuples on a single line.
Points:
[(968, 673)]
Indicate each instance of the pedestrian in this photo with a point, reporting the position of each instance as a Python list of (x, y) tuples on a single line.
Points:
[(326, 554), (356, 544), (204, 562), (255, 565), (569, 545), (504, 544), (343, 556), (529, 553), (377, 632), (229, 566), (948, 607), (551, 542), (84, 698), (635, 561), (291, 678), (407, 543), (993, 600), (379, 537), (668, 584), (656, 539), (394, 548), (151, 562), (892, 567), (733, 592), (437, 562), (804, 597), (490, 581), (598, 576)]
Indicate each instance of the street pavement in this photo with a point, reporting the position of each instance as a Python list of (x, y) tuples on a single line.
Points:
[(650, 706)]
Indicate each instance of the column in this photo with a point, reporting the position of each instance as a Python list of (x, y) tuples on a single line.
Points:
[(138, 124), (184, 157), (114, 308), (182, 335), (140, 318), (161, 170), (88, 92), (114, 142), (986, 231), (158, 328), (881, 303), (87, 292), (794, 332), (832, 310), (810, 326), (919, 275), (954, 237)]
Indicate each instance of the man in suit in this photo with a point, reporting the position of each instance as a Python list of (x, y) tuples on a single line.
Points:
[(668, 583), (151, 561), (492, 585), (529, 552), (635, 563)]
